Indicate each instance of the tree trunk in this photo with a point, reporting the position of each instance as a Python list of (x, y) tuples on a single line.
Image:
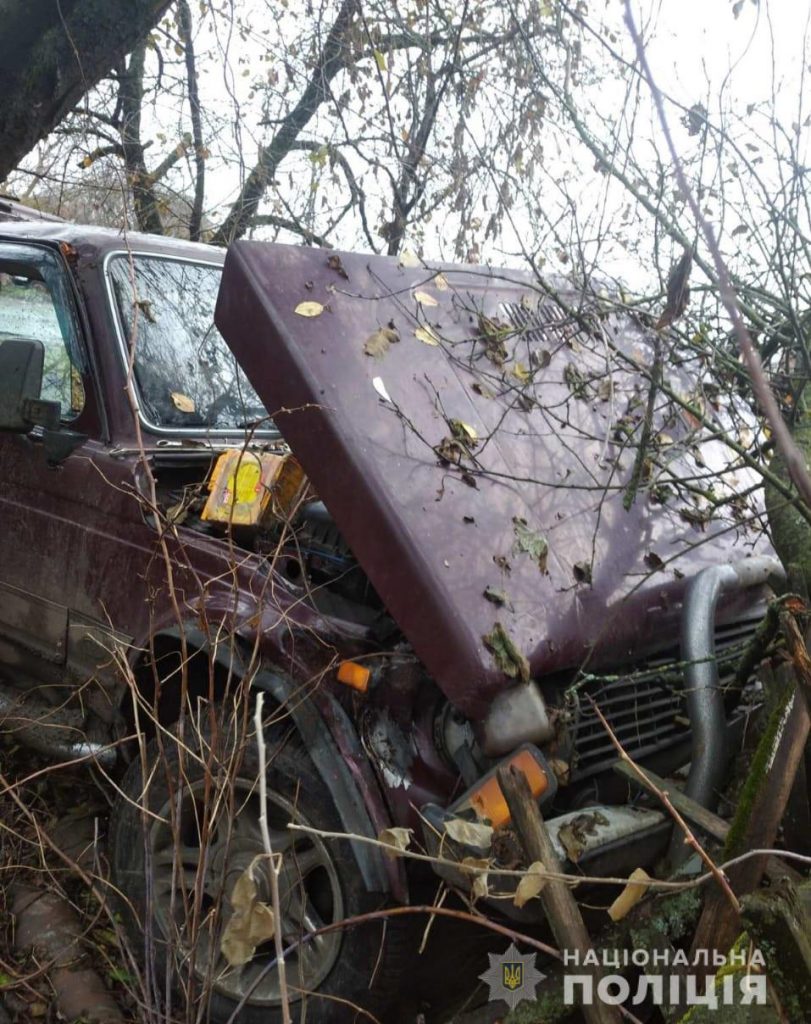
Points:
[(51, 54)]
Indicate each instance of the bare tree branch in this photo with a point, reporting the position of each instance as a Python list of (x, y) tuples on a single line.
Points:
[(333, 59)]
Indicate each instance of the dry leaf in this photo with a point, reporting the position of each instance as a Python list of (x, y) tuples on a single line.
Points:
[(183, 402), (334, 263), (631, 895), (441, 283), (678, 291), (426, 335), (480, 863), (380, 388), (530, 542), (377, 344), (531, 884), (425, 299), (469, 833), (397, 838), (464, 432), (480, 889), (746, 438), (309, 309), (408, 259), (508, 658), (251, 923)]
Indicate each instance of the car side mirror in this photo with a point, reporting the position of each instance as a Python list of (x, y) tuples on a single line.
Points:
[(21, 366)]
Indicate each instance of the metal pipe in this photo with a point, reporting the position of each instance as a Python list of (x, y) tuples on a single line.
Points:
[(50, 730), (705, 701)]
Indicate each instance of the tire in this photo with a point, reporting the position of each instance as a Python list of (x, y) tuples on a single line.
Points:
[(320, 883)]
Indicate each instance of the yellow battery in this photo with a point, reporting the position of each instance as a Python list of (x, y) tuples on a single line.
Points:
[(245, 485)]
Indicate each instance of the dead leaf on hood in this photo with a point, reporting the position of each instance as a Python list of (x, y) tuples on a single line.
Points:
[(746, 438), (582, 572), (377, 344), (309, 309), (605, 390), (653, 561), (531, 884), (441, 282), (697, 516), (426, 335), (250, 924), (631, 895), (425, 299), (494, 596), (398, 839), (577, 383), (469, 833), (408, 259), (183, 402), (530, 542), (521, 373), (505, 654), (380, 388), (334, 263), (464, 432), (451, 450), (483, 390), (494, 333)]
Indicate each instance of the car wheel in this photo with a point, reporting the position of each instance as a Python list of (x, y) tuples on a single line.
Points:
[(172, 879)]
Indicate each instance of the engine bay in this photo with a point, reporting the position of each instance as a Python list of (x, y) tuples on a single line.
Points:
[(263, 501)]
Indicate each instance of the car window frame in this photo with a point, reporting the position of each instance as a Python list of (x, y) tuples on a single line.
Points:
[(264, 434), (62, 295)]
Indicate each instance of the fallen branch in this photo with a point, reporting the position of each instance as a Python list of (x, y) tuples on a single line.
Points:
[(559, 904), (761, 806)]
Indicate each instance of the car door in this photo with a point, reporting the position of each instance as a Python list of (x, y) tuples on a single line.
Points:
[(41, 502)]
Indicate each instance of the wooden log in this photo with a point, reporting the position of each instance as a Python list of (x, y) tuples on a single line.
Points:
[(779, 923), (762, 805), (708, 822), (558, 902)]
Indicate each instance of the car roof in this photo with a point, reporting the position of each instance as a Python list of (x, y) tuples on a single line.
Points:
[(105, 240)]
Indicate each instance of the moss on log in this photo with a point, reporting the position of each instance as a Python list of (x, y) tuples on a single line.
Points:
[(654, 924), (790, 531)]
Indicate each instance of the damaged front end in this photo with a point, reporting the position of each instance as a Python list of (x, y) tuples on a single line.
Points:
[(470, 440), (683, 710)]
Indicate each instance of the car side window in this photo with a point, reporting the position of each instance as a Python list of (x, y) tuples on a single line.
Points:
[(35, 303)]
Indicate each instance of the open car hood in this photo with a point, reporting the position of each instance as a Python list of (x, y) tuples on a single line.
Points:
[(470, 437)]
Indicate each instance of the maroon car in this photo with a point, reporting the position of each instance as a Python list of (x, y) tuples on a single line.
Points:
[(406, 503)]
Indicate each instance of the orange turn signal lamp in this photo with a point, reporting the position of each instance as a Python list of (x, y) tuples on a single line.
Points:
[(356, 676), (486, 797)]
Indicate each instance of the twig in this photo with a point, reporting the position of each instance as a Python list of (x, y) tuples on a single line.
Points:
[(274, 862), (689, 837), (655, 883), (794, 459)]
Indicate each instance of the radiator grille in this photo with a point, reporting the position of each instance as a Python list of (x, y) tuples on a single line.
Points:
[(645, 708)]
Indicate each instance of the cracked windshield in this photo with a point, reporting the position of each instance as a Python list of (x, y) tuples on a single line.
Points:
[(184, 372)]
